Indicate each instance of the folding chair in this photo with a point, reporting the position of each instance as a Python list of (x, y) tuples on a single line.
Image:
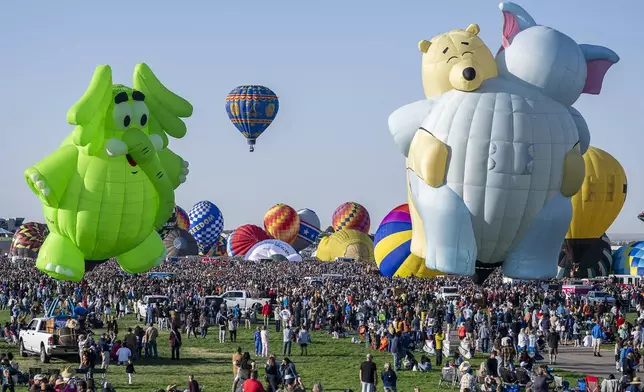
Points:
[(448, 376), (592, 384)]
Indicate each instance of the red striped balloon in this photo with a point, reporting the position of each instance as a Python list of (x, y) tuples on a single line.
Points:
[(244, 238)]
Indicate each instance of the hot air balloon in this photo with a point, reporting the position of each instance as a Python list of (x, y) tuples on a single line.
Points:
[(392, 247), (585, 258), (252, 109), (28, 239), (345, 243), (245, 237), (169, 225), (219, 249), (206, 224), (629, 259), (309, 229), (595, 207), (282, 223), (351, 216), (268, 249), (179, 243), (183, 221)]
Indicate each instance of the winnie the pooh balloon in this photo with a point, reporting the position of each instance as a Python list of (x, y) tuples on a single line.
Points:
[(491, 171), (111, 182)]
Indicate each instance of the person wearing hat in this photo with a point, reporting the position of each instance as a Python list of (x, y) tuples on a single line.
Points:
[(468, 380), (171, 388), (634, 386)]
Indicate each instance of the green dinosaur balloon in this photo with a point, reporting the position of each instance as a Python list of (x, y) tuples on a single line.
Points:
[(111, 183)]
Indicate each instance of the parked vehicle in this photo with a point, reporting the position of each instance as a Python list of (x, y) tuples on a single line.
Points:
[(44, 338), (448, 293), (595, 297), (212, 301), (155, 300), (243, 299)]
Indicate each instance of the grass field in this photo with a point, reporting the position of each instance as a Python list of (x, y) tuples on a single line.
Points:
[(334, 363)]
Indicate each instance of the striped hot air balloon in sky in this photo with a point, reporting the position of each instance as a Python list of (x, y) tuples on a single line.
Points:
[(282, 223), (392, 247), (351, 216), (252, 108)]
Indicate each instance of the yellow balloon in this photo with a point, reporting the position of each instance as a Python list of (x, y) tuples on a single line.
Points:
[(346, 243), (601, 196)]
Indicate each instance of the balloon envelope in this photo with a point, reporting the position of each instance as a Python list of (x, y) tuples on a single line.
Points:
[(179, 243), (629, 259), (346, 243), (28, 239), (244, 238), (601, 197), (269, 248), (392, 247), (309, 229), (183, 221), (585, 258), (252, 108), (206, 224), (641, 216), (351, 216), (282, 223)]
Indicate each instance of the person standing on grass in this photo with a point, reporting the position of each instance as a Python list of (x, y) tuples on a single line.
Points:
[(286, 346), (232, 327), (389, 378), (304, 338), (258, 342), (553, 344), (203, 325), (129, 369), (221, 320), (439, 336), (264, 337), (237, 357), (266, 312), (368, 375), (175, 342), (151, 335)]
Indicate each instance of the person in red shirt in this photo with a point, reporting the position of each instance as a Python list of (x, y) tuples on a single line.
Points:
[(267, 310), (252, 384)]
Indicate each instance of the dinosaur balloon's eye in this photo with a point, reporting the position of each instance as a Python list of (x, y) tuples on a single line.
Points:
[(122, 115), (140, 113)]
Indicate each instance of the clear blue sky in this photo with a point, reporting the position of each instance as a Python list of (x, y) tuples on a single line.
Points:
[(339, 68)]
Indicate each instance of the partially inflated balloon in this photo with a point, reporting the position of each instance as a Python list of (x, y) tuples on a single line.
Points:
[(629, 259), (282, 223), (244, 238), (206, 224), (309, 229), (346, 243), (252, 109), (170, 225), (179, 243), (601, 197), (28, 239), (268, 249), (392, 247), (585, 258), (183, 221), (351, 216), (219, 249)]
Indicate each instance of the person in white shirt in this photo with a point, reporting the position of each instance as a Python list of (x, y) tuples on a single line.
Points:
[(286, 317), (264, 336), (123, 354)]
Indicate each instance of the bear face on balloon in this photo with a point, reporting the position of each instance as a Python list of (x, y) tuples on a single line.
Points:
[(490, 171)]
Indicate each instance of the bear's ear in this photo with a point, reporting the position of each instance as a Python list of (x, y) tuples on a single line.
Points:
[(598, 60), (515, 20), (424, 45), (473, 29)]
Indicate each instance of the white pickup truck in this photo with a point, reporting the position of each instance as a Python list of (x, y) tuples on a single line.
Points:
[(34, 339), (142, 305), (243, 299)]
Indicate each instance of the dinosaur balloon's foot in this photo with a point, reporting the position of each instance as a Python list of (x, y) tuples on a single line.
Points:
[(149, 254), (61, 259)]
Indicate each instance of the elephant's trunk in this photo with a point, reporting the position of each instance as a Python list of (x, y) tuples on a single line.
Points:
[(142, 153)]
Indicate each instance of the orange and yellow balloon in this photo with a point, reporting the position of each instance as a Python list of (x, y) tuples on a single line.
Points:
[(282, 222)]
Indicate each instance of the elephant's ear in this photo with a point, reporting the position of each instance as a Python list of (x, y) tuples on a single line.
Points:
[(88, 114), (166, 108)]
